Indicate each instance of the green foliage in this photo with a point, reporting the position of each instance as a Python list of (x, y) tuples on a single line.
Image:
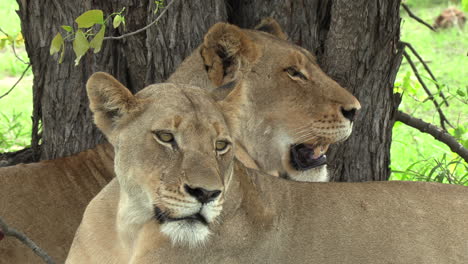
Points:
[(80, 45), (414, 154), (158, 5), (85, 37), (90, 18), (442, 170), (12, 132), (96, 42), (465, 5)]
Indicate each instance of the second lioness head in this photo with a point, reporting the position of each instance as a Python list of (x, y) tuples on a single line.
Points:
[(288, 111)]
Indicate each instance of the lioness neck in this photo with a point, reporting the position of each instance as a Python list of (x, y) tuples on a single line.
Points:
[(132, 214)]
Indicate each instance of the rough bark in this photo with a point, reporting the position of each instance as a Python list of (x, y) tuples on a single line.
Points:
[(355, 43)]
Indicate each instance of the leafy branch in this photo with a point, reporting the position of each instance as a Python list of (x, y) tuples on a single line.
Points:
[(434, 131), (9, 231), (12, 43), (443, 118), (86, 37)]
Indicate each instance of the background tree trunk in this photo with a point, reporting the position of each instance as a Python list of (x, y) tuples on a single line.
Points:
[(355, 43)]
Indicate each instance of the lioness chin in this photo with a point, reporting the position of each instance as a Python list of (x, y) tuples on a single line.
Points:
[(181, 197)]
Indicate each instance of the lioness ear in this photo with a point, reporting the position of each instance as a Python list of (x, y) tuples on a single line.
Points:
[(222, 92), (108, 100), (224, 51), (271, 26)]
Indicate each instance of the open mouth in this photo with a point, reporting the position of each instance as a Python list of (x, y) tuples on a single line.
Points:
[(307, 156), (162, 217)]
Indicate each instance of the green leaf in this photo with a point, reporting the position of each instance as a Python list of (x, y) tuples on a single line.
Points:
[(117, 21), (62, 54), (80, 45), (2, 43), (90, 18), (461, 93), (96, 43), (67, 28), (56, 44)]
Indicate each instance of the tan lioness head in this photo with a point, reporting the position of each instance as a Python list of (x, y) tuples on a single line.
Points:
[(173, 154), (288, 111)]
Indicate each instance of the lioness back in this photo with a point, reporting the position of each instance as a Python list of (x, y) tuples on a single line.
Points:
[(33, 193)]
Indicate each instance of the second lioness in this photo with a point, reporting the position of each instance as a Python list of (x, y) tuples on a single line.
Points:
[(180, 197)]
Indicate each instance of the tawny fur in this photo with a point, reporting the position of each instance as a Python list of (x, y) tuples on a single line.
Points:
[(270, 111), (263, 219)]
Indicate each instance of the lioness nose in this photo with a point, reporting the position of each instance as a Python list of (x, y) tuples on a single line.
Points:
[(349, 114), (202, 195)]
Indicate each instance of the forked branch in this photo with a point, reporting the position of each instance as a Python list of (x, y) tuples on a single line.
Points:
[(413, 50), (434, 131), (9, 231), (431, 97)]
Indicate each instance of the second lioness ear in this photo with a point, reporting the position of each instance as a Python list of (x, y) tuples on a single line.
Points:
[(109, 100), (271, 26), (222, 92), (225, 48)]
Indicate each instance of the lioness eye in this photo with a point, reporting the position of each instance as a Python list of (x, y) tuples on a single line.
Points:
[(165, 137), (293, 72), (221, 145)]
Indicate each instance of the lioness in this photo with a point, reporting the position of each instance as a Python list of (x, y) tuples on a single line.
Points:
[(285, 116), (180, 197)]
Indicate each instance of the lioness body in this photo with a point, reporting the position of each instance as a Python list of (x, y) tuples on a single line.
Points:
[(290, 222), (278, 108), (151, 213), (29, 201)]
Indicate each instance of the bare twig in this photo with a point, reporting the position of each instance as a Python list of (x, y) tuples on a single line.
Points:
[(434, 131), (8, 231), (13, 47), (412, 15), (443, 119), (145, 27), (19, 80), (427, 69)]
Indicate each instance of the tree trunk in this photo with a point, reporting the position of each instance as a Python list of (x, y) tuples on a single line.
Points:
[(355, 43)]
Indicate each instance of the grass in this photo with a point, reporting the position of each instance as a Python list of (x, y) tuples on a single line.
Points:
[(414, 155)]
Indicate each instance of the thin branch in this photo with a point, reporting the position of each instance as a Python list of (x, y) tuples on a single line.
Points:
[(8, 231), (13, 47), (427, 69), (412, 15), (19, 80), (443, 119), (145, 27), (434, 131)]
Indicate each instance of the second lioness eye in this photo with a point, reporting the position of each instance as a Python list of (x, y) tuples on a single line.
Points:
[(293, 72), (221, 145), (165, 137)]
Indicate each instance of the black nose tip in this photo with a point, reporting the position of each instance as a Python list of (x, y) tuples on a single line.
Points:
[(349, 114), (202, 195)]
